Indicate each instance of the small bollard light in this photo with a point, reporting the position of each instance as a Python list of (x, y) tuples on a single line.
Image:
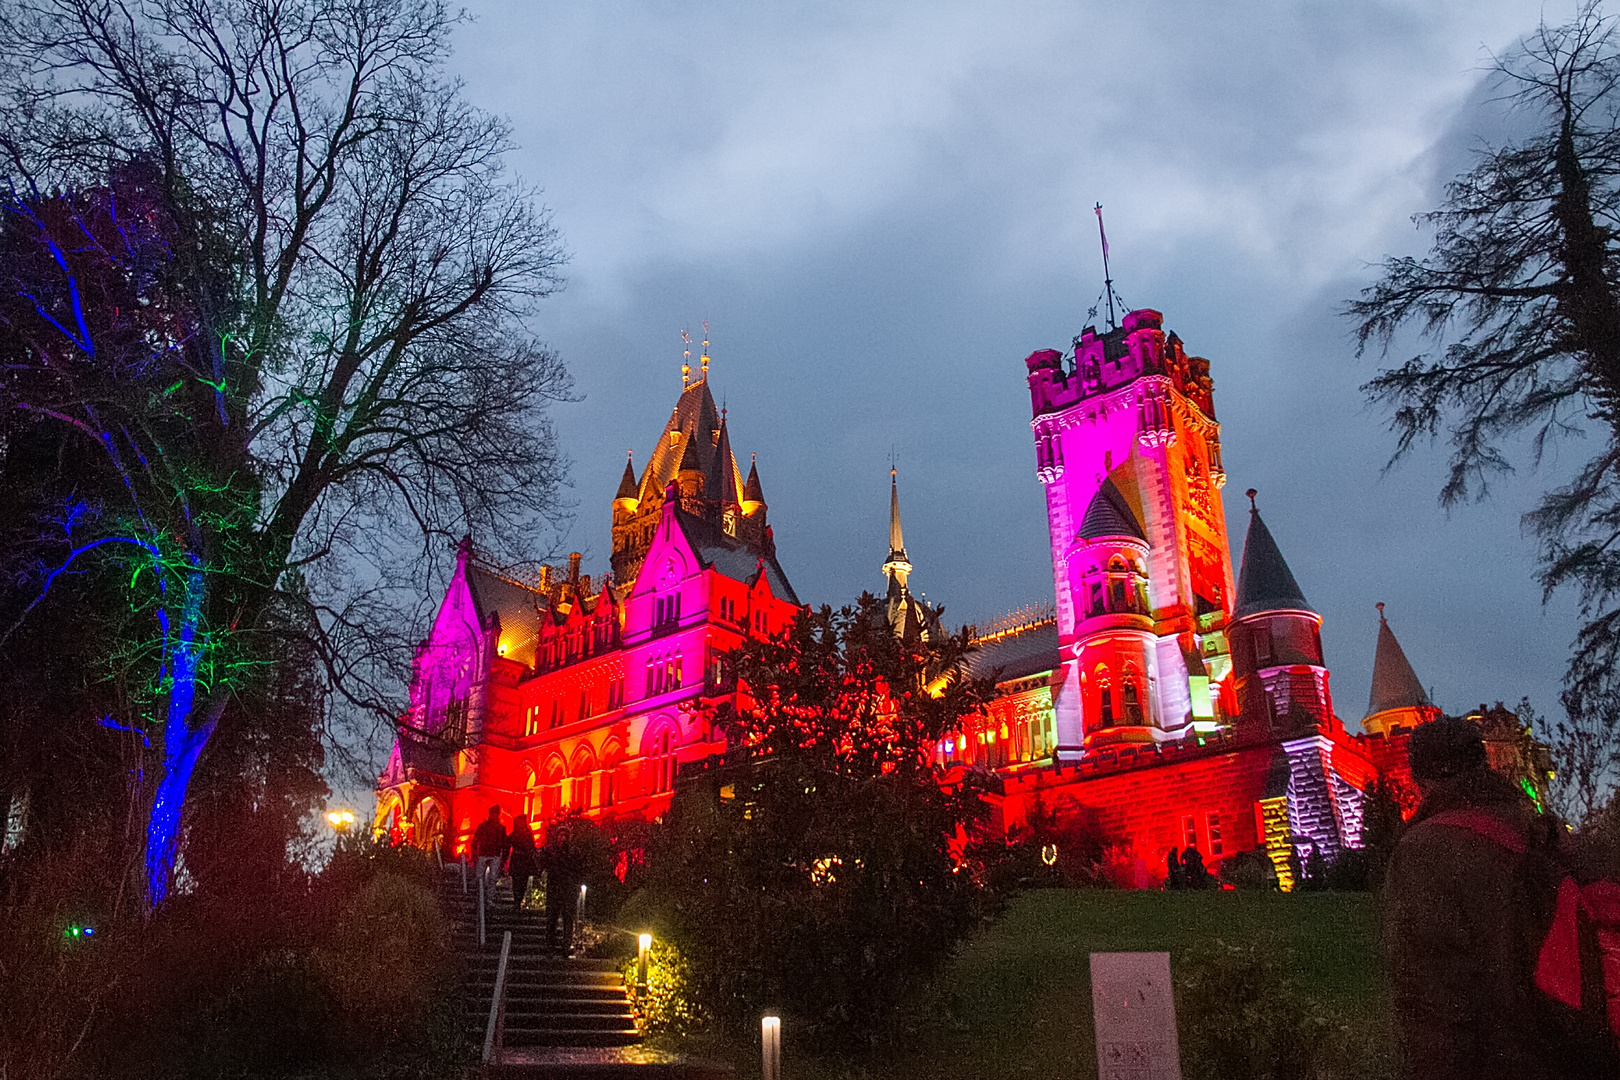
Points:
[(645, 942), (770, 1039)]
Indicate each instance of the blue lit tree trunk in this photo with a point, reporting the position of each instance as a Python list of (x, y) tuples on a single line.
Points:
[(183, 735)]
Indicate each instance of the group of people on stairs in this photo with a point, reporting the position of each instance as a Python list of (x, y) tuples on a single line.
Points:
[(495, 849)]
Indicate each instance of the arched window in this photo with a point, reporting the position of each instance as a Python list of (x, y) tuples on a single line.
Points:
[(610, 771), (1105, 698), (551, 789), (1132, 696), (531, 786), (661, 761), (581, 780)]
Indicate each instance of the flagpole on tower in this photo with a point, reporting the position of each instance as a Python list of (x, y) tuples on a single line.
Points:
[(1108, 277)]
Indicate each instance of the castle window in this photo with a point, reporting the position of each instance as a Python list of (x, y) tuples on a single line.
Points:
[(531, 721), (1107, 714), (556, 711), (584, 704), (1262, 644), (615, 694), (1133, 704), (1212, 825), (663, 765), (1189, 832)]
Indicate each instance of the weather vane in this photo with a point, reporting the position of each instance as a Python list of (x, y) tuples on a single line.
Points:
[(686, 359)]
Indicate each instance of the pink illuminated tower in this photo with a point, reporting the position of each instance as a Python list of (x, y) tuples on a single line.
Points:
[(1127, 445)]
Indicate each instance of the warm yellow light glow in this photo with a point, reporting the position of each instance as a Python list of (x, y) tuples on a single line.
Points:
[(645, 941), (340, 819)]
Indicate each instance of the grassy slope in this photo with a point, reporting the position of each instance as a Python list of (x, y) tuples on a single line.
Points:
[(1017, 1000)]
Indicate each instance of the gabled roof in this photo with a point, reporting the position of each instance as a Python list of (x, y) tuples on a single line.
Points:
[(731, 556), (1394, 684), (1265, 583), (517, 605), (1110, 515)]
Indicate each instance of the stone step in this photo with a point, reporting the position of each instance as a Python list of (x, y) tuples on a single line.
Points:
[(567, 1037)]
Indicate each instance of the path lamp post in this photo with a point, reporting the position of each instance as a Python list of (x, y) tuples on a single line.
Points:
[(645, 944), (579, 916), (770, 1039)]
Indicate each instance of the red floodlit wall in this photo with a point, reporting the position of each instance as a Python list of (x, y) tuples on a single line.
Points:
[(1147, 805)]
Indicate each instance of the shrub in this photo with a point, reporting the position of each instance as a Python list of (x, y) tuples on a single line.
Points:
[(1242, 1014), (667, 1007)]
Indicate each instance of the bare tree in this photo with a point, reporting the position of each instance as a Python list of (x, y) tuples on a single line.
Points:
[(367, 352), (1520, 295)]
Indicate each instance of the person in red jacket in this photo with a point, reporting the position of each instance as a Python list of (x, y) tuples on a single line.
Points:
[(1468, 900)]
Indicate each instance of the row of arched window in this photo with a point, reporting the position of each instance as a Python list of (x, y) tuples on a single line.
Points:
[(592, 783)]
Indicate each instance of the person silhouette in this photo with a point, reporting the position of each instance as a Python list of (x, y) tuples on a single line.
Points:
[(1176, 873)]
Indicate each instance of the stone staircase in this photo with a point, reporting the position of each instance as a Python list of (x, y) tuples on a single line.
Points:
[(551, 1001)]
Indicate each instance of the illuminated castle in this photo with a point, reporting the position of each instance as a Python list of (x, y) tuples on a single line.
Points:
[(1159, 702), (564, 694), (1157, 705)]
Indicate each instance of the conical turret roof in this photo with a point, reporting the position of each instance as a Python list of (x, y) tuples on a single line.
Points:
[(689, 458), (627, 483), (752, 492), (1394, 684), (1265, 583), (1110, 515)]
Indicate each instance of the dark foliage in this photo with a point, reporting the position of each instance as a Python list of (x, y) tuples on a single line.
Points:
[(815, 871), (1521, 295), (1242, 1013), (340, 974)]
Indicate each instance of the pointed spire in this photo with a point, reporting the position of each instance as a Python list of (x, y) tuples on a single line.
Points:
[(751, 490), (628, 488), (897, 540), (689, 458), (897, 568), (722, 477), (1265, 583), (1394, 684)]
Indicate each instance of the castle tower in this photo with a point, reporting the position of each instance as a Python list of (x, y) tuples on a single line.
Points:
[(1397, 700), (1276, 640), (1133, 412), (694, 452)]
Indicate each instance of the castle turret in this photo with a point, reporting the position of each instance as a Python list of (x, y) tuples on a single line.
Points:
[(1132, 412), (1276, 640), (897, 567), (1397, 700)]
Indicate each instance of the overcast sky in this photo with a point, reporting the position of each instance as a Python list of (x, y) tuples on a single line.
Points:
[(882, 208)]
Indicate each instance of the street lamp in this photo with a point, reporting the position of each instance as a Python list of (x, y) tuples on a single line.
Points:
[(771, 1046), (341, 820), (645, 941)]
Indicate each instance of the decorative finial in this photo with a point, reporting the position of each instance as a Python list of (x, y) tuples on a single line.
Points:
[(1251, 493), (753, 457), (686, 359), (704, 359), (1380, 607)]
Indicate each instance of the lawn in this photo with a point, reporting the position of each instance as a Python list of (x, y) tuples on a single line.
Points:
[(1016, 1002)]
